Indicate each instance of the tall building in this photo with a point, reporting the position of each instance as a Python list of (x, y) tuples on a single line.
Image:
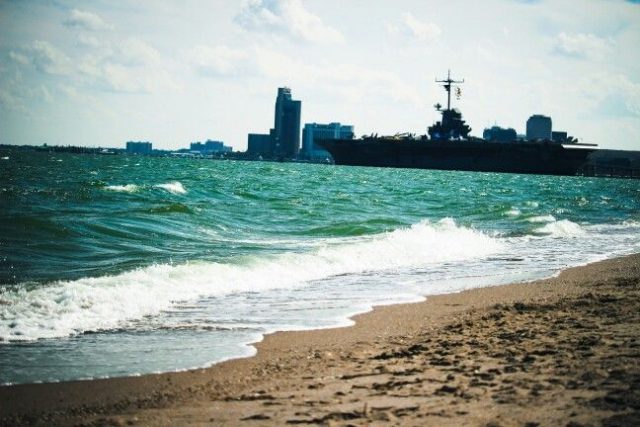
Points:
[(139, 147), (539, 127), (286, 129), (315, 131)]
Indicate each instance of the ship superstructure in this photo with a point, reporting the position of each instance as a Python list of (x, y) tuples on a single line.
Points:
[(449, 146)]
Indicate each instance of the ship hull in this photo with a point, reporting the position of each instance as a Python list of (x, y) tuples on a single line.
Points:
[(482, 156)]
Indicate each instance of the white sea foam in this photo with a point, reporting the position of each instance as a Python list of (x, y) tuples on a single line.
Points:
[(129, 188), (542, 218), (5, 158), (562, 228), (174, 187), (513, 212), (89, 304)]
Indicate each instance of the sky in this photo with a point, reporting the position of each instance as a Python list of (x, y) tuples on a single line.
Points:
[(100, 73)]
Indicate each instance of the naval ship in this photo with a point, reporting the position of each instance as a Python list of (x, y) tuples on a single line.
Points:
[(448, 146)]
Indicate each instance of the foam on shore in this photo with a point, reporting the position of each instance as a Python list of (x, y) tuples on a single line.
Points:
[(70, 307)]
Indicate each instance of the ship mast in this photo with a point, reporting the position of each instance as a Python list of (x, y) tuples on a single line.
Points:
[(447, 86)]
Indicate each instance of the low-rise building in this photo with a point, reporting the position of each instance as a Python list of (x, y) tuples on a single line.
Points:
[(139, 147), (315, 131), (210, 147), (559, 136), (259, 144), (496, 133)]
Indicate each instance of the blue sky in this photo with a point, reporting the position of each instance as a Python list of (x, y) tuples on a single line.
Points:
[(99, 73)]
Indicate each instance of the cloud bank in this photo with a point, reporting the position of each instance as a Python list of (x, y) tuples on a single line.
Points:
[(287, 18)]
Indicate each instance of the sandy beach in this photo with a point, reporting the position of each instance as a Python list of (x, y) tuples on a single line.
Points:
[(562, 351)]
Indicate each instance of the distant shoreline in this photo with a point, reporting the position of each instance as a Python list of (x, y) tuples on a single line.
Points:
[(548, 351), (609, 163)]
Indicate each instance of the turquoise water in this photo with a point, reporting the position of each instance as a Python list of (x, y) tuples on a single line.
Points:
[(121, 265)]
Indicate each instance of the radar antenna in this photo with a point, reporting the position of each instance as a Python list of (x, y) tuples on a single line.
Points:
[(448, 83)]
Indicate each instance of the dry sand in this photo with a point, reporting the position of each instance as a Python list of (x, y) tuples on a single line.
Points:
[(561, 352)]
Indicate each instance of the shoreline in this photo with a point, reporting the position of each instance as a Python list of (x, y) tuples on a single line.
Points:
[(398, 364)]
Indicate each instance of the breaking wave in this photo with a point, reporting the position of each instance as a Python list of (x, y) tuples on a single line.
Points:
[(174, 187), (72, 307), (129, 188), (542, 218), (562, 228)]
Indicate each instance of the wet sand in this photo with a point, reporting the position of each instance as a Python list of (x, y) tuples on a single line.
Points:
[(563, 351)]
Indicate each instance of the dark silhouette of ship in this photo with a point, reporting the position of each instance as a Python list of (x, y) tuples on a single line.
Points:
[(449, 147)]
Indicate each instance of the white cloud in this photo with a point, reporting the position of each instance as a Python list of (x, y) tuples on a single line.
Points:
[(581, 45), (19, 58), (86, 20), (89, 41), (217, 60), (136, 80), (486, 50), (347, 81), (613, 95), (286, 17), (415, 29), (427, 31), (259, 15), (344, 81), (110, 73), (131, 66), (9, 101), (16, 96), (46, 58), (243, 51), (70, 91), (133, 51), (45, 94)]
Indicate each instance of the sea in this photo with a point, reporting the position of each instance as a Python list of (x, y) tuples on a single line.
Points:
[(126, 265)]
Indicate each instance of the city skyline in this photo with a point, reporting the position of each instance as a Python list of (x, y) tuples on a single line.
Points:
[(98, 74)]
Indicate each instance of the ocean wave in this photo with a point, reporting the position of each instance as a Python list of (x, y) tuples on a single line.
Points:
[(562, 228), (631, 226), (353, 228), (174, 187), (542, 218), (67, 308), (172, 208), (128, 188)]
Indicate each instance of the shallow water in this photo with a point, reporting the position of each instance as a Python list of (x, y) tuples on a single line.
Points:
[(121, 265)]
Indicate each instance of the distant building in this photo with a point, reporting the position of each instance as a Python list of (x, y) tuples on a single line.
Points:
[(139, 147), (539, 127), (284, 138), (496, 133), (315, 131), (286, 130), (210, 147), (259, 144), (196, 146)]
